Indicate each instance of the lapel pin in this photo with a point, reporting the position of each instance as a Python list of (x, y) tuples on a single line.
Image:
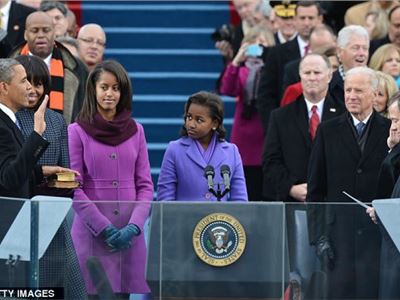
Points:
[(332, 109), (16, 27)]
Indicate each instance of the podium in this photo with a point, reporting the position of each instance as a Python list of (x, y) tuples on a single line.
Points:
[(217, 250), (388, 211), (27, 229)]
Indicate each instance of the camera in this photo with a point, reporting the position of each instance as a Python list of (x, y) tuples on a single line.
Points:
[(254, 50), (224, 33)]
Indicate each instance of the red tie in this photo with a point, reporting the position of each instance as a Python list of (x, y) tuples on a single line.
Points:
[(306, 49), (314, 121)]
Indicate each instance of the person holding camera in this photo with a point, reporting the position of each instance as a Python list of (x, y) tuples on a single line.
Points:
[(240, 80)]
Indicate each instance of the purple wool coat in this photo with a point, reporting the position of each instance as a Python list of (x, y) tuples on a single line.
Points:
[(111, 175), (182, 172)]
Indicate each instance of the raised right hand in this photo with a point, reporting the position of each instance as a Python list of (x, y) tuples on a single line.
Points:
[(39, 122)]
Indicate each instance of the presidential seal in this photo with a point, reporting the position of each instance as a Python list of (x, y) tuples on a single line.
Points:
[(219, 239)]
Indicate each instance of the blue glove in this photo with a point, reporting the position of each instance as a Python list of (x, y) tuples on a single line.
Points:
[(109, 231), (123, 238)]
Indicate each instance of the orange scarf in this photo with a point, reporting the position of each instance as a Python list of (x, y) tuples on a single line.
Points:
[(56, 101)]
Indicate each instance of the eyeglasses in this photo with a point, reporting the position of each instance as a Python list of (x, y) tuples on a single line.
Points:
[(91, 41)]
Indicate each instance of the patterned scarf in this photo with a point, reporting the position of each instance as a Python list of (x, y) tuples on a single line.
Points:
[(254, 66), (56, 101)]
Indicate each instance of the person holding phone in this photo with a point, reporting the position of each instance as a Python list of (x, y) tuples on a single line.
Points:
[(241, 80)]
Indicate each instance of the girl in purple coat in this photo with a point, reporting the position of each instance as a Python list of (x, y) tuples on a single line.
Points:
[(109, 150), (202, 156)]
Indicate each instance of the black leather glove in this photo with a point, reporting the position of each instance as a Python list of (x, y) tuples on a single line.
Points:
[(325, 252)]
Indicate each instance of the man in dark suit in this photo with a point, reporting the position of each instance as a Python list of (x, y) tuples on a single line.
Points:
[(390, 169), (308, 15), (19, 172), (287, 151), (346, 156), (389, 187), (352, 51), (393, 35), (13, 31), (321, 38), (288, 148)]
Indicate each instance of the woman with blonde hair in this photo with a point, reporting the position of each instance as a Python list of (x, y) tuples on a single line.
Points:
[(387, 87), (387, 59), (376, 23)]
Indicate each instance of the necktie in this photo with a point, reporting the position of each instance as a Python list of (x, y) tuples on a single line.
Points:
[(306, 49), (360, 128), (314, 122)]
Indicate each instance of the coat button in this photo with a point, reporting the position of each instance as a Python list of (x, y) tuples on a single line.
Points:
[(359, 171), (208, 195), (113, 155), (116, 212), (115, 183)]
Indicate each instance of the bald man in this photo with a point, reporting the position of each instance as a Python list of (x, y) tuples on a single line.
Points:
[(92, 42), (68, 76)]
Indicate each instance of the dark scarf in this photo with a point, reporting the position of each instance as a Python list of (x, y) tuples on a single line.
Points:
[(114, 132), (56, 97)]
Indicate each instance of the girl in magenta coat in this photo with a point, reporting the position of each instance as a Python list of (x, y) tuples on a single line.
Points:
[(240, 80), (109, 150)]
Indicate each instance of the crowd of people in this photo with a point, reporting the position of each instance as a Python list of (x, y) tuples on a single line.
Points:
[(317, 113)]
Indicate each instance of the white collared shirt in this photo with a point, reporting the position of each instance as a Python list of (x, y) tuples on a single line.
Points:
[(302, 45), (320, 107), (282, 39), (47, 60), (8, 112), (5, 12), (356, 121)]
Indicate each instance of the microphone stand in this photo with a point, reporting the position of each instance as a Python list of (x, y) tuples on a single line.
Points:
[(219, 194)]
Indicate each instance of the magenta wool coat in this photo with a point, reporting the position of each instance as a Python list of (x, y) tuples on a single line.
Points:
[(111, 175), (248, 135), (182, 172)]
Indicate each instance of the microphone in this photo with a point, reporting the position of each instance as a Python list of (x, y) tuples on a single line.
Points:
[(209, 174), (225, 174), (99, 279)]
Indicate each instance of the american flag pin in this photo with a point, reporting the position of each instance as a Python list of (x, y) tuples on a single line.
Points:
[(332, 109)]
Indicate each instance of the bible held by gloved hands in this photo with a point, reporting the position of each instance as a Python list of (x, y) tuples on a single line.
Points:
[(325, 252)]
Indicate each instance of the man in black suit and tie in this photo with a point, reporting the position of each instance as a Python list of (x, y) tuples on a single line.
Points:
[(19, 172), (287, 151), (393, 35), (352, 51), (321, 39), (308, 15), (347, 155), (288, 148), (13, 16)]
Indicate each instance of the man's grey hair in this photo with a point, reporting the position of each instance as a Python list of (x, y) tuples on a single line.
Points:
[(6, 69), (68, 40), (49, 5), (366, 71), (346, 33)]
